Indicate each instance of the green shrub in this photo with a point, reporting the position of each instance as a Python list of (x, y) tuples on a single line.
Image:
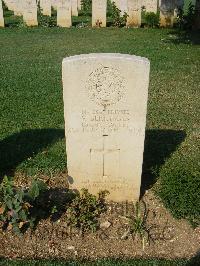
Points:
[(115, 14), (185, 20), (137, 224), (151, 19), (85, 209), (46, 21), (179, 185), (86, 7), (16, 204)]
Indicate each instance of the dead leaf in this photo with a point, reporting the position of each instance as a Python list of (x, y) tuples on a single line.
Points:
[(10, 226), (2, 209), (21, 224)]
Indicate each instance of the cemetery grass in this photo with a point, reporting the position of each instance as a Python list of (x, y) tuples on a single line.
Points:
[(109, 262), (32, 129)]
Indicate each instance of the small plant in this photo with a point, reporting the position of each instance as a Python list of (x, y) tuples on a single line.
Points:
[(16, 204), (46, 21), (151, 19), (85, 209), (115, 13), (86, 7), (186, 21), (137, 224)]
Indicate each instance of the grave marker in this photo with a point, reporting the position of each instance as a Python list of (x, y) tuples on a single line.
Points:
[(1, 15), (74, 8), (105, 103), (64, 18), (30, 12), (150, 5), (167, 13), (99, 13), (134, 13), (45, 5)]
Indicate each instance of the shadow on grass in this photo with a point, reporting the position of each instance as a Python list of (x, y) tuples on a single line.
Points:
[(20, 146), (185, 37), (159, 145)]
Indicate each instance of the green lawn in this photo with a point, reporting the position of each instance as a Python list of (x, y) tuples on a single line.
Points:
[(111, 262), (31, 106)]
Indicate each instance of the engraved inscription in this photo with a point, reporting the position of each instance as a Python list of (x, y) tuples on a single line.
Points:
[(105, 120), (105, 86)]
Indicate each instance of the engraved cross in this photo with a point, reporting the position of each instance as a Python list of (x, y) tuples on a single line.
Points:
[(104, 151)]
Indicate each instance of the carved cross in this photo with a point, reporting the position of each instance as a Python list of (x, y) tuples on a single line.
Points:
[(104, 151)]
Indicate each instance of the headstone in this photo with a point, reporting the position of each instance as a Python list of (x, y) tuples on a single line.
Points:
[(1, 15), (150, 5), (122, 5), (30, 12), (45, 5), (167, 13), (74, 8), (54, 4), (99, 13), (134, 13), (10, 4), (64, 18), (18, 8), (105, 104), (79, 4)]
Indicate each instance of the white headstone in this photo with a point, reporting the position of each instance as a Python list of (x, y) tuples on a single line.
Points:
[(122, 5), (79, 4), (150, 5), (45, 6), (99, 13), (10, 4), (1, 15), (134, 13), (105, 104), (74, 8), (54, 4), (64, 18), (18, 8), (30, 12)]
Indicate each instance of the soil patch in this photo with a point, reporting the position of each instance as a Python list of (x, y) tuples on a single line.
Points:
[(169, 238)]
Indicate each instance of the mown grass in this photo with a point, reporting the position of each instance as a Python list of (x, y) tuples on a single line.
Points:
[(31, 105), (107, 262)]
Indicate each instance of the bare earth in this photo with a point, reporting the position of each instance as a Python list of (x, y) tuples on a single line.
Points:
[(169, 238)]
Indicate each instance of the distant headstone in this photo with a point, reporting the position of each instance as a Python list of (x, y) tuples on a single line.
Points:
[(79, 4), (45, 6), (105, 104), (64, 18), (30, 12), (134, 13), (1, 15), (122, 5), (99, 13), (54, 4), (167, 13), (18, 8), (74, 8), (150, 5), (10, 4)]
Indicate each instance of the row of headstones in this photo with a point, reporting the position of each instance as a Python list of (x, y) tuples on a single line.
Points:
[(168, 11), (67, 8), (28, 9)]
